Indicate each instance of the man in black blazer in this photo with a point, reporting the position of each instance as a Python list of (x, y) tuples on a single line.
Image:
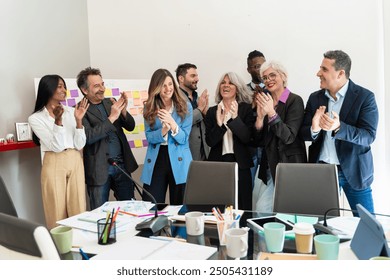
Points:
[(104, 123), (341, 121)]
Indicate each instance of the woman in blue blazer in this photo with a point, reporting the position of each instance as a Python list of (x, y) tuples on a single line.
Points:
[(168, 121)]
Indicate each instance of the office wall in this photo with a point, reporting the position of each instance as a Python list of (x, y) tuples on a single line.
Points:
[(131, 39), (37, 37)]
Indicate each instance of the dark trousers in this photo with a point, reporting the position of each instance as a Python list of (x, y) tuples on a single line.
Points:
[(244, 184), (161, 178)]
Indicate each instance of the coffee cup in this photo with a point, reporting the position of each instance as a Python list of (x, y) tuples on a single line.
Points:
[(274, 234), (327, 246), (194, 223), (63, 238), (304, 237), (237, 242)]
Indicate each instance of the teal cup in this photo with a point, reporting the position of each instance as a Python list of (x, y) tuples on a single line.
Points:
[(327, 246), (274, 234)]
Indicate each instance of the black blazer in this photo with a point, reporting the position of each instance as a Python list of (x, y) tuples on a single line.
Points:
[(96, 149), (241, 128), (281, 140)]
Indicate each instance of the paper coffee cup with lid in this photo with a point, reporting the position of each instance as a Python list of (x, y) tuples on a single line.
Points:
[(304, 237)]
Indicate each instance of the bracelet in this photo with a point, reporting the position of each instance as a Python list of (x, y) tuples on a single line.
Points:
[(271, 119)]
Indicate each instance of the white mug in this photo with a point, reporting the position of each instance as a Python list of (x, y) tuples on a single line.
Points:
[(10, 138), (194, 223), (237, 242)]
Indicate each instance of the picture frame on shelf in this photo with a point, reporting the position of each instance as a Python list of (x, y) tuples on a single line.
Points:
[(23, 132)]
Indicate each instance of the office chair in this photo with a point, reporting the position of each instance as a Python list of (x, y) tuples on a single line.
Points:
[(306, 188), (212, 183), (6, 203), (24, 240)]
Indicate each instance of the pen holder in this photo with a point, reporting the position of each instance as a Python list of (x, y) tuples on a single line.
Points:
[(224, 225), (106, 230)]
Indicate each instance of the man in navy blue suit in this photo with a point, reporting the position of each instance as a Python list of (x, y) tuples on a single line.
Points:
[(341, 121)]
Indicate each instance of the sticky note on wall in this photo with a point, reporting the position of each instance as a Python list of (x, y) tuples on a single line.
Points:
[(74, 93), (115, 92), (138, 143), (108, 92)]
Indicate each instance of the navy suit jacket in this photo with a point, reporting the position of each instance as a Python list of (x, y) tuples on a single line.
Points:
[(358, 124)]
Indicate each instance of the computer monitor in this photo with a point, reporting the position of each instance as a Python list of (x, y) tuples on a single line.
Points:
[(369, 239)]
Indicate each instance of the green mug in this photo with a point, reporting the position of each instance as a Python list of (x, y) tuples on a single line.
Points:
[(63, 238), (327, 246)]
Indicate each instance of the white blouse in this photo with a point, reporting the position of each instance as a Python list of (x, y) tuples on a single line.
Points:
[(227, 141), (57, 138)]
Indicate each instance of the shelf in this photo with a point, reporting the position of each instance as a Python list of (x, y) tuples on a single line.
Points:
[(17, 146)]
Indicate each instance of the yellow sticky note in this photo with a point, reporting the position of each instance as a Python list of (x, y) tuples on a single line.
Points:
[(126, 131), (135, 94), (141, 127), (108, 92), (67, 93), (138, 143), (135, 130)]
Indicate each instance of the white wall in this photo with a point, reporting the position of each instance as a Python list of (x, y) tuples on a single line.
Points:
[(37, 37), (131, 39)]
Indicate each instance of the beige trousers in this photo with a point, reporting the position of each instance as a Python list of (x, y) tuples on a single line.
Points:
[(63, 185)]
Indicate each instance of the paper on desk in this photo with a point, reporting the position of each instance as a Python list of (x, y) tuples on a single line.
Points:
[(133, 206), (88, 221), (345, 226), (208, 219), (141, 248)]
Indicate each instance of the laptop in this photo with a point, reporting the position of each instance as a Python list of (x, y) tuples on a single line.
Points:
[(205, 208), (369, 239)]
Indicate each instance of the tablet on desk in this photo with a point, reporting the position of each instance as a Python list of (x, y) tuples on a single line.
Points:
[(205, 208), (258, 223)]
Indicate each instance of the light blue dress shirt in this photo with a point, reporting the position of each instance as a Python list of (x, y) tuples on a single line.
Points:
[(328, 152)]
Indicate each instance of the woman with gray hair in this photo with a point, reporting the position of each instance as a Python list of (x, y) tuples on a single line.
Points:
[(279, 118), (229, 126)]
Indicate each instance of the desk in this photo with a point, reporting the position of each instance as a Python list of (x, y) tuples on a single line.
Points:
[(88, 240)]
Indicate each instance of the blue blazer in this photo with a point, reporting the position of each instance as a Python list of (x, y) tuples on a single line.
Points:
[(178, 147), (359, 121)]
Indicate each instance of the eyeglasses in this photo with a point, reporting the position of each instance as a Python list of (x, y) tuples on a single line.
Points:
[(270, 77), (256, 66)]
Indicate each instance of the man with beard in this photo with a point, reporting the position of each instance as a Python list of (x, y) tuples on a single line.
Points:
[(104, 123), (187, 77)]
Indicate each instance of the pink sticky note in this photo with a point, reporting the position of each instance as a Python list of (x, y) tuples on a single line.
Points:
[(131, 144), (145, 142), (115, 92), (74, 93), (71, 102), (137, 102)]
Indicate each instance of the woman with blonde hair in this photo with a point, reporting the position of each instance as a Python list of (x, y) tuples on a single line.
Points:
[(168, 122), (229, 126), (279, 118)]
